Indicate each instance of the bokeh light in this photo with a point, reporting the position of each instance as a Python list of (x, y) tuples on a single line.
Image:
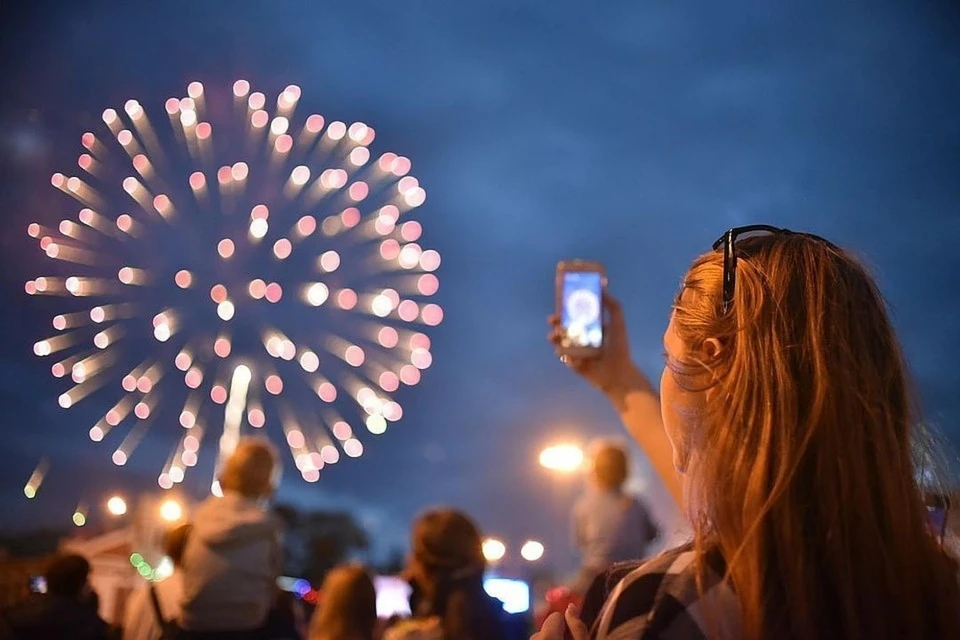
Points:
[(178, 280)]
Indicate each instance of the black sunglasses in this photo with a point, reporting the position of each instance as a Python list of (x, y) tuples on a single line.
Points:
[(728, 241)]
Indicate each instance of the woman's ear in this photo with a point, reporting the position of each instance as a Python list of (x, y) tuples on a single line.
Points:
[(711, 349)]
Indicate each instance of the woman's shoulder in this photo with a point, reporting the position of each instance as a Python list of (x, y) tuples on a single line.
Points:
[(666, 597)]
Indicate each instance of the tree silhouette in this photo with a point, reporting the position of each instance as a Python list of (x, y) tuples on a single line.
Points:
[(317, 541)]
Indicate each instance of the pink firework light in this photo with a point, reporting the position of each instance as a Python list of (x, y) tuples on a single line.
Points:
[(256, 191)]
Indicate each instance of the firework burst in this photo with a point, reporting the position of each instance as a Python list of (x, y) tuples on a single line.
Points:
[(231, 270)]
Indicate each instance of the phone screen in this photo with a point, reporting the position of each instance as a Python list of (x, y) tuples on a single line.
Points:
[(393, 596), (582, 309)]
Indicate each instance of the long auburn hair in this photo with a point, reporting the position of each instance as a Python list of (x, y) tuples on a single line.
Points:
[(802, 471), (348, 609)]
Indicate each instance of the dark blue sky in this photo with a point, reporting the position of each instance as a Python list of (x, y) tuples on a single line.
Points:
[(631, 133)]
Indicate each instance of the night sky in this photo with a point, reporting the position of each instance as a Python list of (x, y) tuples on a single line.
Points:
[(626, 132)]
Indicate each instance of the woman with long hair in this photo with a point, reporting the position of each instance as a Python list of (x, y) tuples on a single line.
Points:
[(348, 606), (786, 424), (446, 572)]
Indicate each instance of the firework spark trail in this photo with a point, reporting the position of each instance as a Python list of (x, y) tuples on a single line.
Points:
[(244, 262)]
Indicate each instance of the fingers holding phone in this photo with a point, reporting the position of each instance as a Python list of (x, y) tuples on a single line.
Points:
[(587, 330)]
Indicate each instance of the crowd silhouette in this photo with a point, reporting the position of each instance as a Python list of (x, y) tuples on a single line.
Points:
[(783, 424)]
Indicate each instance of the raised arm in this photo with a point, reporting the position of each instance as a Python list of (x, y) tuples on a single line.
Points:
[(630, 392)]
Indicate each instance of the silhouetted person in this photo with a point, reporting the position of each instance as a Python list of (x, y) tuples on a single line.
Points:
[(348, 606), (64, 612), (446, 569), (233, 554), (609, 525)]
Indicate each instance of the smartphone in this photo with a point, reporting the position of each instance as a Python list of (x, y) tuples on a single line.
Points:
[(393, 596), (580, 287)]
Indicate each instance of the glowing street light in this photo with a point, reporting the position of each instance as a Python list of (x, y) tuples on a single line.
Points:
[(531, 551), (117, 506), (564, 458), (171, 510), (493, 549)]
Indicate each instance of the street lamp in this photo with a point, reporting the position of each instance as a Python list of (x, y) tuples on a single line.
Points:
[(531, 551), (493, 549), (563, 458), (171, 510), (117, 506)]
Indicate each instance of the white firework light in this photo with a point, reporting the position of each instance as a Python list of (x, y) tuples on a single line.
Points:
[(234, 271)]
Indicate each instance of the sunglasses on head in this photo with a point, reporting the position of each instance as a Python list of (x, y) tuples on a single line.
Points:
[(728, 243)]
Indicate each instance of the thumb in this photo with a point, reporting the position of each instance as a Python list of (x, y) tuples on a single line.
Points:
[(552, 629), (577, 629)]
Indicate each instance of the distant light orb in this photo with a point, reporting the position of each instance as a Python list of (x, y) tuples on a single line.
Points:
[(359, 156), (218, 394), (259, 228), (306, 225), (389, 249), (218, 293), (389, 381), (408, 310), (493, 549), (273, 292), (282, 249), (273, 384), (225, 310), (531, 551), (171, 511), (222, 347), (388, 337), (279, 125), (381, 306), (347, 299), (376, 424), (336, 130), (421, 358), (225, 248), (329, 261), (256, 418), (432, 314), (409, 375), (183, 278), (353, 448), (327, 392), (162, 332), (428, 284), (117, 506), (354, 356), (309, 361), (300, 175), (257, 289)]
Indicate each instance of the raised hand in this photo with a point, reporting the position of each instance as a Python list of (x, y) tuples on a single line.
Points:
[(612, 369)]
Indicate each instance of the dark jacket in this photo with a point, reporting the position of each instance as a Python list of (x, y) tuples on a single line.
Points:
[(49, 617)]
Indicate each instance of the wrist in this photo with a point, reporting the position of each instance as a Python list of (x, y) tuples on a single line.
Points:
[(631, 381)]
